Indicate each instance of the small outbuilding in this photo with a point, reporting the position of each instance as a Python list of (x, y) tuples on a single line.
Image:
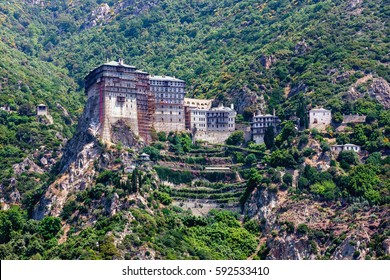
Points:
[(42, 110), (144, 157)]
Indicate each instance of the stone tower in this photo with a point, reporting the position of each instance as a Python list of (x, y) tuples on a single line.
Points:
[(117, 91)]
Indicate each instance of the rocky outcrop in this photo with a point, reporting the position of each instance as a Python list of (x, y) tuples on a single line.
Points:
[(245, 99), (291, 247), (261, 205), (27, 165), (352, 4), (103, 14), (380, 90), (122, 133), (79, 175), (267, 61), (310, 229), (99, 16), (299, 88), (301, 48), (85, 134)]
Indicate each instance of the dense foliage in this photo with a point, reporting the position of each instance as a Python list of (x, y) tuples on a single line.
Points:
[(285, 55)]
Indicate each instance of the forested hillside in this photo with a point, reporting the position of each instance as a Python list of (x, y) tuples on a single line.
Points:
[(290, 56), (230, 49)]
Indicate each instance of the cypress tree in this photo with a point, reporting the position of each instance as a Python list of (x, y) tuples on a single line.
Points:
[(269, 137)]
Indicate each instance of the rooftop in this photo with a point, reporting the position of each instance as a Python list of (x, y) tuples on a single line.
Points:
[(141, 72), (265, 116), (118, 63), (222, 108), (320, 110), (165, 78)]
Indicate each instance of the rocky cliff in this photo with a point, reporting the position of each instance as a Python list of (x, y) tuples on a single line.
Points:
[(307, 229)]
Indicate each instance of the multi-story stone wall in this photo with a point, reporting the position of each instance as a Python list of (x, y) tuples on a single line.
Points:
[(259, 126), (198, 119), (213, 125), (169, 103), (195, 113), (213, 137), (221, 119), (319, 118), (113, 91)]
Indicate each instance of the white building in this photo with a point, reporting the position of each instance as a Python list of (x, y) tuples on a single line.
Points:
[(319, 118), (346, 147), (198, 119)]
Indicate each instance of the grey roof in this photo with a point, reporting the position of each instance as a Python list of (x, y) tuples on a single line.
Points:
[(320, 110), (141, 72), (265, 116), (226, 109), (116, 63), (165, 78)]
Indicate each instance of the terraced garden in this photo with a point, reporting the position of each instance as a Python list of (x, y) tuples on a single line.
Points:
[(194, 181)]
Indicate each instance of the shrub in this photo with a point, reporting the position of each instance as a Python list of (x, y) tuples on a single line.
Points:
[(288, 179), (326, 189), (302, 229), (236, 138)]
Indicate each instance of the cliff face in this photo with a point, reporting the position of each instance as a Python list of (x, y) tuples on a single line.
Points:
[(85, 134), (307, 229)]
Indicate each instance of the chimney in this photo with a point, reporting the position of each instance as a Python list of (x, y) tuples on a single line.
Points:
[(120, 61), (274, 112), (232, 106)]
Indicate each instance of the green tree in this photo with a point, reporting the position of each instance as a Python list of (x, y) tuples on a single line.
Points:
[(288, 179), (49, 227), (269, 137), (347, 158), (363, 181), (134, 183), (236, 138), (152, 152), (326, 189)]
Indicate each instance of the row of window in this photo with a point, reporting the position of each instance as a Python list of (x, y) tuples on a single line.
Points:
[(170, 113), (200, 119), (264, 119), (216, 114), (172, 107), (262, 124), (163, 120), (167, 89), (161, 95), (221, 125), (152, 82), (199, 113), (319, 114)]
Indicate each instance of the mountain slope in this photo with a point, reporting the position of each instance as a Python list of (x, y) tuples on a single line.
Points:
[(285, 55)]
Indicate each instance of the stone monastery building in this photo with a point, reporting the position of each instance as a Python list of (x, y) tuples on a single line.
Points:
[(319, 118), (117, 91)]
